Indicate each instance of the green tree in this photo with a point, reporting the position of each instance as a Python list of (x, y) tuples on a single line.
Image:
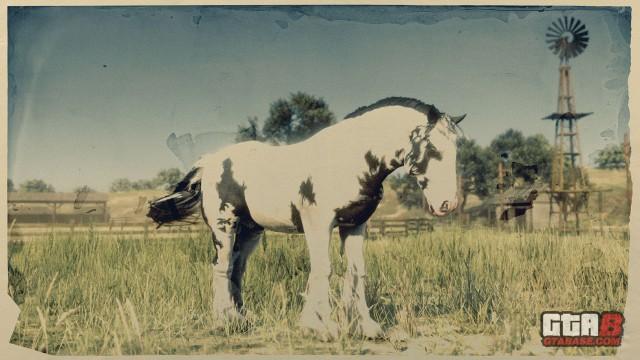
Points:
[(290, 120), (477, 170), (249, 132), (611, 157), (407, 190), (513, 146), (121, 185), (168, 178), (10, 186), (144, 185), (36, 185)]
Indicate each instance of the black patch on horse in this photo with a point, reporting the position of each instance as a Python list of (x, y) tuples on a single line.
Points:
[(295, 218), (371, 191), (433, 114), (423, 183), (229, 191), (398, 160), (232, 193), (306, 191), (419, 159)]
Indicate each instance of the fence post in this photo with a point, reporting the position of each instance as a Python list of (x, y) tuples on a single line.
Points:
[(600, 213)]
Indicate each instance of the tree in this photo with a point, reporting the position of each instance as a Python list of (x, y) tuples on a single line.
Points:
[(143, 185), (121, 185), (290, 120), (10, 186), (511, 146), (83, 188), (476, 169), (249, 132), (36, 185), (611, 157), (168, 178), (407, 189)]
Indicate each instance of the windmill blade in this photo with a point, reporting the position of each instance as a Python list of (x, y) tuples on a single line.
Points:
[(557, 27), (571, 23), (566, 24), (583, 32), (575, 27), (583, 43), (581, 47), (554, 30), (573, 51), (581, 28), (582, 38)]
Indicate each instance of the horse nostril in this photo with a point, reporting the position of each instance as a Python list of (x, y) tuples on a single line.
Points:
[(445, 206)]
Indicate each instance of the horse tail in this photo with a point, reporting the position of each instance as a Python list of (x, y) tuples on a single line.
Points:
[(183, 203)]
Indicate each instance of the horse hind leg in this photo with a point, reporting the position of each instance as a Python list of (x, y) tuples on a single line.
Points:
[(246, 242)]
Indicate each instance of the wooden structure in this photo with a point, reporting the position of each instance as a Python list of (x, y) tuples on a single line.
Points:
[(58, 208), (568, 191), (376, 228)]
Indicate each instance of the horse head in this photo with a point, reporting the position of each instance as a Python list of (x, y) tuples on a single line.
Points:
[(431, 159)]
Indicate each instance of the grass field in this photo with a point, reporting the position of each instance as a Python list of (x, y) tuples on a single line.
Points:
[(478, 291)]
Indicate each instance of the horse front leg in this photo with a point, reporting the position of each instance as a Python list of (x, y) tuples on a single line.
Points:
[(316, 314), (223, 224), (353, 293)]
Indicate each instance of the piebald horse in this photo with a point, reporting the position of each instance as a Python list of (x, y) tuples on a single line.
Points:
[(333, 179)]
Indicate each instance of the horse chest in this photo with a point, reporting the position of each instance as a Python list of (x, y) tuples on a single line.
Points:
[(357, 212)]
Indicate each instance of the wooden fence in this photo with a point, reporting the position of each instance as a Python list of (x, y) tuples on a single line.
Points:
[(127, 227)]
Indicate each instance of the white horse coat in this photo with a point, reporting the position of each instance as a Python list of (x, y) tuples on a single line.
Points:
[(333, 179)]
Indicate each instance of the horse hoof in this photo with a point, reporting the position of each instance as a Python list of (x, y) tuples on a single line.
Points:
[(325, 331), (229, 317), (371, 330)]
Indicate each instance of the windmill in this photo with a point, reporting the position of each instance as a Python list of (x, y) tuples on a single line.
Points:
[(567, 38)]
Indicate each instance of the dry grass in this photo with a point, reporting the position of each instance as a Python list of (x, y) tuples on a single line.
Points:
[(478, 291)]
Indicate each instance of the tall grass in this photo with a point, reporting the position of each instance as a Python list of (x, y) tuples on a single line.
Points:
[(94, 294)]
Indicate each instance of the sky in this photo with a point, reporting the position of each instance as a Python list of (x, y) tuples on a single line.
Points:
[(94, 92)]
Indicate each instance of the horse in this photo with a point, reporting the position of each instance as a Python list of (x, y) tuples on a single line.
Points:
[(332, 179)]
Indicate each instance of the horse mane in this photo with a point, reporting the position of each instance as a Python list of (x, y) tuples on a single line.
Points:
[(433, 114)]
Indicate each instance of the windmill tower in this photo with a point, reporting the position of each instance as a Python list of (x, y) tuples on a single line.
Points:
[(567, 38)]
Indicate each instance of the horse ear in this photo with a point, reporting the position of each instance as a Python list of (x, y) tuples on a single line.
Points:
[(458, 119)]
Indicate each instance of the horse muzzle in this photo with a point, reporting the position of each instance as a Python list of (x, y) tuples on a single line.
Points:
[(445, 208)]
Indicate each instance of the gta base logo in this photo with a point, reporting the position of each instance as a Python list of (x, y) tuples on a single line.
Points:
[(581, 329)]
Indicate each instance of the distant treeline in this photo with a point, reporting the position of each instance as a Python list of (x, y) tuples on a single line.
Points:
[(165, 180)]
